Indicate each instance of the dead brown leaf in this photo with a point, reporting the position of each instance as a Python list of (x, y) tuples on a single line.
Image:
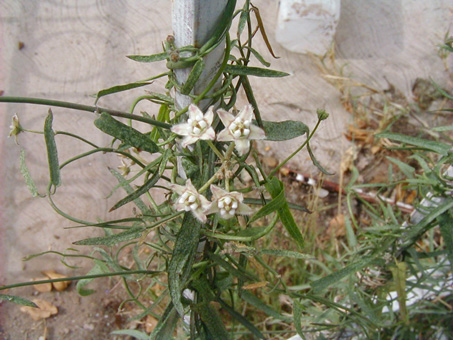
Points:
[(45, 310), (42, 287), (255, 285), (336, 227), (60, 286), (150, 323)]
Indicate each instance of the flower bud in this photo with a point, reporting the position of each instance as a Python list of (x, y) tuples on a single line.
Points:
[(322, 114)]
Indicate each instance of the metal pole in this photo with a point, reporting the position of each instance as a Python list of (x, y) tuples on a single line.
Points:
[(193, 22)]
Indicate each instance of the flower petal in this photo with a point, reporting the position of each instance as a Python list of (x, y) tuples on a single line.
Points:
[(209, 115), (209, 134), (246, 113), (218, 192), (194, 111), (236, 195), (188, 140), (179, 189), (198, 213), (242, 146), (244, 209), (189, 186), (204, 202), (256, 132), (225, 136), (226, 117), (212, 208), (183, 129)]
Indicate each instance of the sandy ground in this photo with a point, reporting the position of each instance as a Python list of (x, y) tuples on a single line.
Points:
[(69, 50)]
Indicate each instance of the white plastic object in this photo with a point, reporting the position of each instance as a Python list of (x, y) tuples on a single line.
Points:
[(307, 26)]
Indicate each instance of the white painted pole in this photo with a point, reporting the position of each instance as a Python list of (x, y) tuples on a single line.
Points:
[(193, 24)]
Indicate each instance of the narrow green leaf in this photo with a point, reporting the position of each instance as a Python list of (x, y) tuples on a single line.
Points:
[(404, 167), (255, 201), (285, 130), (260, 57), (330, 279), (364, 304), (286, 253), (26, 174), (275, 187), (120, 88), (243, 19), (237, 272), (163, 164), (420, 228), (399, 278), (111, 240), (124, 133), (220, 30), (245, 235), (442, 128), (133, 333), (441, 90), (297, 316), (128, 188), (161, 97), (316, 163), (446, 229), (181, 261), (350, 234), (254, 71), (99, 268), (193, 77), (149, 58), (140, 191), (342, 309), (247, 324), (52, 155), (259, 304), (275, 204), (212, 320), (18, 300), (166, 325), (421, 143)]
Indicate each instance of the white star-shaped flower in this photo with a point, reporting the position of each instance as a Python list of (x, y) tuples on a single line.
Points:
[(228, 204), (198, 126), (190, 200), (15, 128), (239, 129)]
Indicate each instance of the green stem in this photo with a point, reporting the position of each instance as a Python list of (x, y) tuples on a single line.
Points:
[(85, 154), (216, 151), (83, 277), (74, 106), (295, 152), (76, 137), (251, 98), (32, 131), (211, 180), (219, 73), (213, 80)]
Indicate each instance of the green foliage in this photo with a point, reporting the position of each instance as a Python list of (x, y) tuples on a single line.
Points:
[(259, 274), (280, 131), (17, 300), (52, 155), (125, 133)]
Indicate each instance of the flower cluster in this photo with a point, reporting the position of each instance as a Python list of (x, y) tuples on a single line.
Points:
[(238, 129), (228, 204)]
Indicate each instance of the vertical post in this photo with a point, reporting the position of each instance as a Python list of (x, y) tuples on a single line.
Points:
[(193, 23)]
